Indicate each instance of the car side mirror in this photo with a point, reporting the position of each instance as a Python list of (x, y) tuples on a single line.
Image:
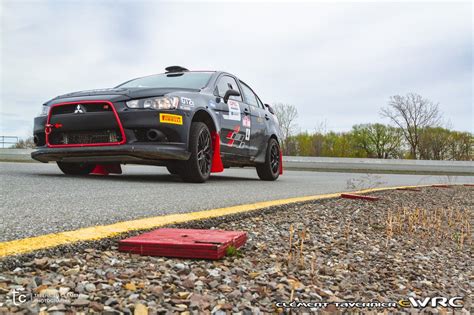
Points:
[(230, 93), (270, 109)]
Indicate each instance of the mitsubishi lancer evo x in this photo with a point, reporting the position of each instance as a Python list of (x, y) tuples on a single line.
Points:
[(193, 122)]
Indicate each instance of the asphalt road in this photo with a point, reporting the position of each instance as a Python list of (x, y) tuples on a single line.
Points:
[(38, 199)]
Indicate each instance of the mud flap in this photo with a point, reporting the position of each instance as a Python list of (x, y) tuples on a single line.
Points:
[(281, 163), (217, 165), (106, 169)]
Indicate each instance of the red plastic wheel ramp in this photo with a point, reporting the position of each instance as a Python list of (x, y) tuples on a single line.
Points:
[(354, 196), (184, 243), (106, 169)]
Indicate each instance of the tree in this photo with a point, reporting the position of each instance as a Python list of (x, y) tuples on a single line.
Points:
[(461, 145), (434, 143), (286, 114), (412, 113), (444, 144), (28, 143), (340, 144), (378, 140)]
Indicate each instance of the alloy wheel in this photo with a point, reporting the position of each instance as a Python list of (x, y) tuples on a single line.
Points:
[(204, 152), (274, 159)]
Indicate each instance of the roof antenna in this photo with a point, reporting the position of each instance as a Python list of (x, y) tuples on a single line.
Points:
[(172, 69)]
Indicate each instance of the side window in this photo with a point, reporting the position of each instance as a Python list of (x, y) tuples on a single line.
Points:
[(228, 83), (250, 97), (260, 104)]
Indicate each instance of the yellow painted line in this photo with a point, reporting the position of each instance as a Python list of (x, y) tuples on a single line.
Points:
[(30, 244)]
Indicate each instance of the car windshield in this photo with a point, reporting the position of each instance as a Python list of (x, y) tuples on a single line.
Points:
[(186, 80)]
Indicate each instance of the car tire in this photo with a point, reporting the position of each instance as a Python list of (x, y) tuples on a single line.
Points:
[(75, 168), (270, 170), (198, 168)]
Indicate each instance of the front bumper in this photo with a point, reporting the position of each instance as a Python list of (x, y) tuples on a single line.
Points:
[(126, 153), (135, 123)]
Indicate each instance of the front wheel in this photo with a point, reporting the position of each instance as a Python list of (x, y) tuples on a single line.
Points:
[(75, 168), (198, 168), (270, 170)]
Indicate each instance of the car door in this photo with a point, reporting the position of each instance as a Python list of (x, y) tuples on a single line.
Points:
[(234, 135), (257, 122)]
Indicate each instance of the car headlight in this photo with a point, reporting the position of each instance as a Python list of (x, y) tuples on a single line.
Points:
[(44, 110), (155, 103)]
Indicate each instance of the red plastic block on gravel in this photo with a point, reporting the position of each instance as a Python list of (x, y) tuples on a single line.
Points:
[(184, 243), (354, 196), (441, 186)]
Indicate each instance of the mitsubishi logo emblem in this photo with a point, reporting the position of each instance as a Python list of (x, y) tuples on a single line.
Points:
[(80, 109)]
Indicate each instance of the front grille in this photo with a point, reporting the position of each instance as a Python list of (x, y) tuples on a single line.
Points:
[(84, 123), (86, 137), (81, 108)]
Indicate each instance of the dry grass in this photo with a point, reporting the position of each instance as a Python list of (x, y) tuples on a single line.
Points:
[(297, 245), (436, 225), (291, 243)]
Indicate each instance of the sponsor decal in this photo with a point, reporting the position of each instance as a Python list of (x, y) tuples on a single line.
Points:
[(235, 138), (212, 104), (171, 119), (247, 134), (186, 103), (259, 118), (246, 121), (234, 110)]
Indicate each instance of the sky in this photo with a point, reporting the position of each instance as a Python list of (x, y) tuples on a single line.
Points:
[(337, 62)]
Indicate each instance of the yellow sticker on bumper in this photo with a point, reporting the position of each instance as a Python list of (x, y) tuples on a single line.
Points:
[(171, 119)]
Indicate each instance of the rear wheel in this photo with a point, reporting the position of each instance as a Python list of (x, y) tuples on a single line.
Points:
[(75, 168), (270, 170), (198, 168)]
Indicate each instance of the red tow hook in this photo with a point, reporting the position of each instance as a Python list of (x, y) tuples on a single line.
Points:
[(49, 127)]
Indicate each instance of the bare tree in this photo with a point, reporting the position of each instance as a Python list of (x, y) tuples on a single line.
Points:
[(412, 113), (286, 114), (27, 143)]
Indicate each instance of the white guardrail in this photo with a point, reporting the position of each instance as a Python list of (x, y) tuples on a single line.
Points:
[(329, 164), (380, 165)]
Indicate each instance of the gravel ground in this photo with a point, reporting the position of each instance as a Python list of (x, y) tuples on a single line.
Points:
[(407, 244)]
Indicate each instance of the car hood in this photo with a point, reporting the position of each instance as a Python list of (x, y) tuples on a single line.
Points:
[(118, 94)]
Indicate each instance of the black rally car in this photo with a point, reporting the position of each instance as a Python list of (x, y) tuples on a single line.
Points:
[(192, 122)]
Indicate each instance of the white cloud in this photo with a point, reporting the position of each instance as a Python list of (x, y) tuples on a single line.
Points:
[(337, 62)]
